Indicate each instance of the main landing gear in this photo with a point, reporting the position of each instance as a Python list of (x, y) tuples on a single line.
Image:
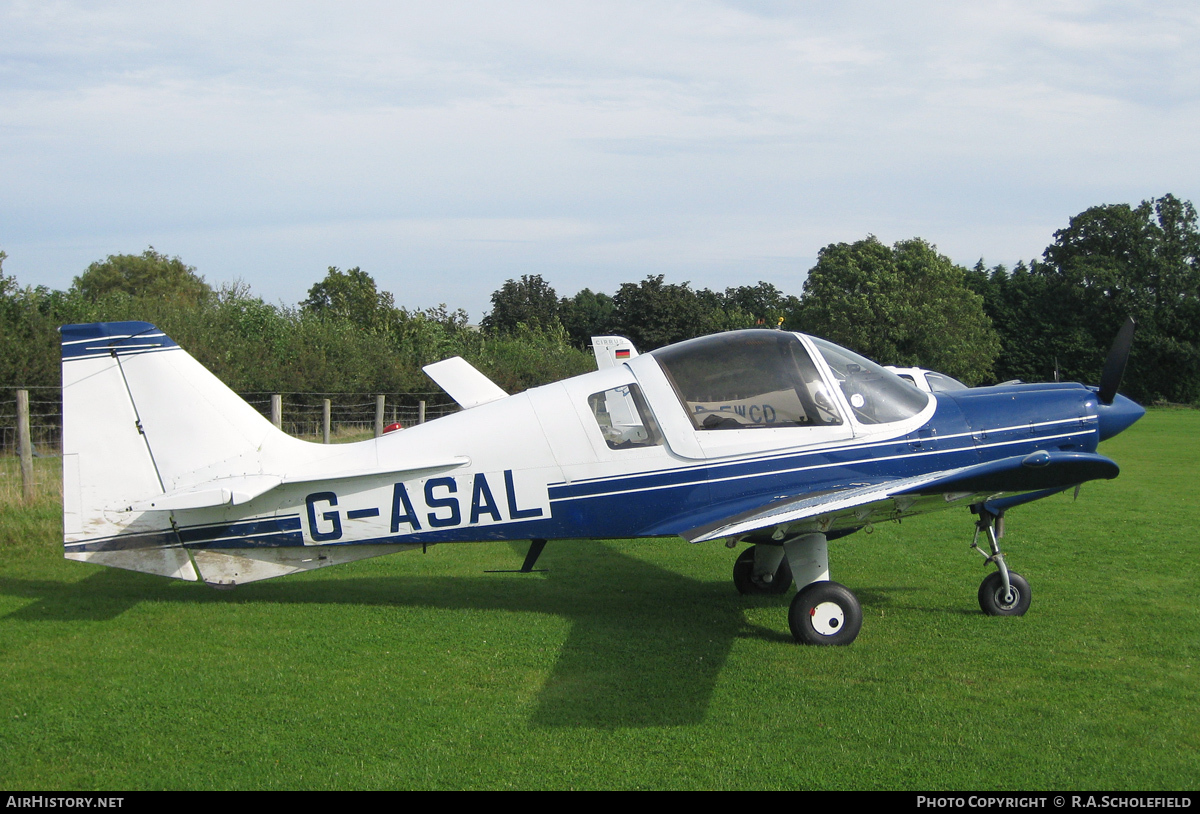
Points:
[(1003, 592), (822, 612)]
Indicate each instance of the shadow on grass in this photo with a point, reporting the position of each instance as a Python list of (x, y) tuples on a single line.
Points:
[(645, 646)]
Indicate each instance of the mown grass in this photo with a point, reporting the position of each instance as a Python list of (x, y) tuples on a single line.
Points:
[(630, 664)]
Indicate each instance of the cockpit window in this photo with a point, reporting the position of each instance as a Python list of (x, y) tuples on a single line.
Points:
[(877, 396), (624, 419), (748, 379)]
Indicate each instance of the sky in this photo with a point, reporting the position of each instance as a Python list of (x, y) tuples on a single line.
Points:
[(447, 147)]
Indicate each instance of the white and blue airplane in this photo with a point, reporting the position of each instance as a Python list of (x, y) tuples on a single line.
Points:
[(777, 441)]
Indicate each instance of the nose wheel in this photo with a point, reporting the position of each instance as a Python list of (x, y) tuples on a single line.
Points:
[(996, 600)]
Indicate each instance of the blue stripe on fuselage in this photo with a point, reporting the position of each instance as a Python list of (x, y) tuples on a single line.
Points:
[(262, 532)]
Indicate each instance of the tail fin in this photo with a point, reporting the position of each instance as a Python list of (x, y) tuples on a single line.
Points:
[(611, 351), (143, 422), (162, 465)]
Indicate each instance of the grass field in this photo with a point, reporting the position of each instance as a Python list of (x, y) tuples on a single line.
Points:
[(629, 664)]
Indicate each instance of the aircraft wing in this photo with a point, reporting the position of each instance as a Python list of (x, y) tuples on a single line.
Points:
[(860, 504)]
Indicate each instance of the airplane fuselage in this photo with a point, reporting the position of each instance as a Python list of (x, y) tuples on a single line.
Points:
[(596, 493)]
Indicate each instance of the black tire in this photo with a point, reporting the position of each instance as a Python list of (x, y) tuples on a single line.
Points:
[(992, 600), (825, 613), (744, 581)]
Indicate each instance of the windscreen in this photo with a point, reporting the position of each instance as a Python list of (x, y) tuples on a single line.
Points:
[(877, 396)]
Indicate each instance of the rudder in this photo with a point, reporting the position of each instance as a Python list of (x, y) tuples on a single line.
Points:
[(143, 420)]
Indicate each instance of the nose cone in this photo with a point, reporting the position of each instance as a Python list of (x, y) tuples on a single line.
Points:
[(1118, 416)]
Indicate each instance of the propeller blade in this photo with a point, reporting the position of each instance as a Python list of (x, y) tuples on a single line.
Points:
[(1114, 367)]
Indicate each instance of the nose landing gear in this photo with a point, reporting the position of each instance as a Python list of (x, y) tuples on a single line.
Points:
[(1003, 592)]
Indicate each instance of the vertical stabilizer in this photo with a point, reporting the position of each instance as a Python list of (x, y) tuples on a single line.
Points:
[(611, 351), (142, 418)]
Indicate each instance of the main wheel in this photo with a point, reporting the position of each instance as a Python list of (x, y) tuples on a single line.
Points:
[(993, 601), (825, 613), (746, 583)]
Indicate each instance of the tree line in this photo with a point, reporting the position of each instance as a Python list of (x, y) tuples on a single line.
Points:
[(904, 304), (346, 337)]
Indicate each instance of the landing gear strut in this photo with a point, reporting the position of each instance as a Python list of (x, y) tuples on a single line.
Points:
[(1003, 592), (822, 612)]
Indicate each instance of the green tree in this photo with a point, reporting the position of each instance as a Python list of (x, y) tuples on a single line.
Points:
[(764, 304), (1115, 261), (653, 313), (901, 305), (530, 301), (351, 295), (529, 357), (585, 315), (7, 284), (29, 340), (1023, 315), (148, 275)]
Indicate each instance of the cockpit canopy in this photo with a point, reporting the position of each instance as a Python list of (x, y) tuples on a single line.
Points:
[(761, 378)]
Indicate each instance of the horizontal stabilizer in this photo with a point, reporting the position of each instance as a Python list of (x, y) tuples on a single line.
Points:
[(464, 383), (162, 461), (240, 566), (242, 489), (856, 506), (220, 492)]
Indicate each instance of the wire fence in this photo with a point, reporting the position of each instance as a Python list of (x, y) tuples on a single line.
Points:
[(301, 414), (45, 419)]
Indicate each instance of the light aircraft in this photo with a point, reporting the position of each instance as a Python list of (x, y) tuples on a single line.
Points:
[(775, 440)]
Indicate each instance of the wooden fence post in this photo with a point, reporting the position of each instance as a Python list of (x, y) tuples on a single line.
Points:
[(379, 402), (421, 412), (277, 410), (25, 445), (326, 410)]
